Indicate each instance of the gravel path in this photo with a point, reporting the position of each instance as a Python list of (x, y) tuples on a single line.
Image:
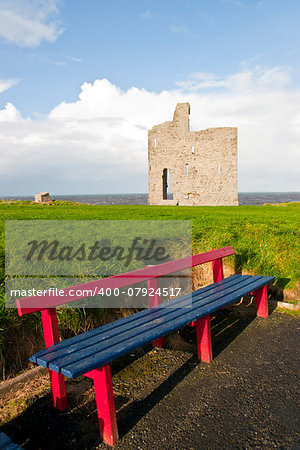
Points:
[(248, 397)]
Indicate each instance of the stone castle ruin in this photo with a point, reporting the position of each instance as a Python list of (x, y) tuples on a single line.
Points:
[(191, 167)]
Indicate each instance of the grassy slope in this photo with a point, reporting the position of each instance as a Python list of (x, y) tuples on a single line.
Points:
[(264, 238)]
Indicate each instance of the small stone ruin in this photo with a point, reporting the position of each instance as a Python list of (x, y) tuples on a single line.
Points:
[(42, 197)]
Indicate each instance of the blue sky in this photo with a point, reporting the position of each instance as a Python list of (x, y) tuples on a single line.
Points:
[(235, 61)]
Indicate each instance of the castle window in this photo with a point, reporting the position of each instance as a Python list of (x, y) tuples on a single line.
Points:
[(219, 169), (154, 142), (193, 150), (187, 169), (166, 185)]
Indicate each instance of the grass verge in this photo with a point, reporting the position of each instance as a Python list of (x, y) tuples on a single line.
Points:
[(265, 239)]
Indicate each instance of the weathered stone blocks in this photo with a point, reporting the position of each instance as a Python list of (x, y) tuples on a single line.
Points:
[(42, 197), (202, 164)]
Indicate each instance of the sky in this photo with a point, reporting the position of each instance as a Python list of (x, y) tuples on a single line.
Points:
[(81, 82)]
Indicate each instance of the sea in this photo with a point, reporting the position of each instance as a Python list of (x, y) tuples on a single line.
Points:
[(245, 198)]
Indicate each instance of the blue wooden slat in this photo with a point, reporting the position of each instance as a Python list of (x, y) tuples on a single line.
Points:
[(152, 333), (155, 320), (120, 322), (80, 367), (51, 355), (118, 325), (95, 361), (4, 440), (152, 315), (12, 446)]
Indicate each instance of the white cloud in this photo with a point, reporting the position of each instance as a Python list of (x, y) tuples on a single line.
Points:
[(28, 22), (99, 143), (9, 113), (256, 79), (6, 84), (202, 80)]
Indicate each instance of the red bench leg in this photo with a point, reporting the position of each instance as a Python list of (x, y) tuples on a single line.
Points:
[(204, 339), (160, 343), (262, 302), (218, 274), (217, 267), (105, 404), (58, 387)]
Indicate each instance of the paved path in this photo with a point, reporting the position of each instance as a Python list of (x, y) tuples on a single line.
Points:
[(247, 398)]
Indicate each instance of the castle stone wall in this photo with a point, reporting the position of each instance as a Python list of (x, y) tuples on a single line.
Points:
[(202, 164)]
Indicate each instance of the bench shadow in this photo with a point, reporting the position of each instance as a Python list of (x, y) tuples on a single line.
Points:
[(226, 325), (126, 360), (40, 426), (135, 411), (277, 290)]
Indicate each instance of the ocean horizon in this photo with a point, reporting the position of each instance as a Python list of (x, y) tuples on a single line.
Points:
[(245, 198)]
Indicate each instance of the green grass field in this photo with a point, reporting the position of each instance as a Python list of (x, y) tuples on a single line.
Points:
[(265, 239)]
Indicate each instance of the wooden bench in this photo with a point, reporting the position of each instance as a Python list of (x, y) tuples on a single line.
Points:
[(91, 353)]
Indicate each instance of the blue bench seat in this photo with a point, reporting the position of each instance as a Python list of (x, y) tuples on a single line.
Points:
[(96, 348)]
